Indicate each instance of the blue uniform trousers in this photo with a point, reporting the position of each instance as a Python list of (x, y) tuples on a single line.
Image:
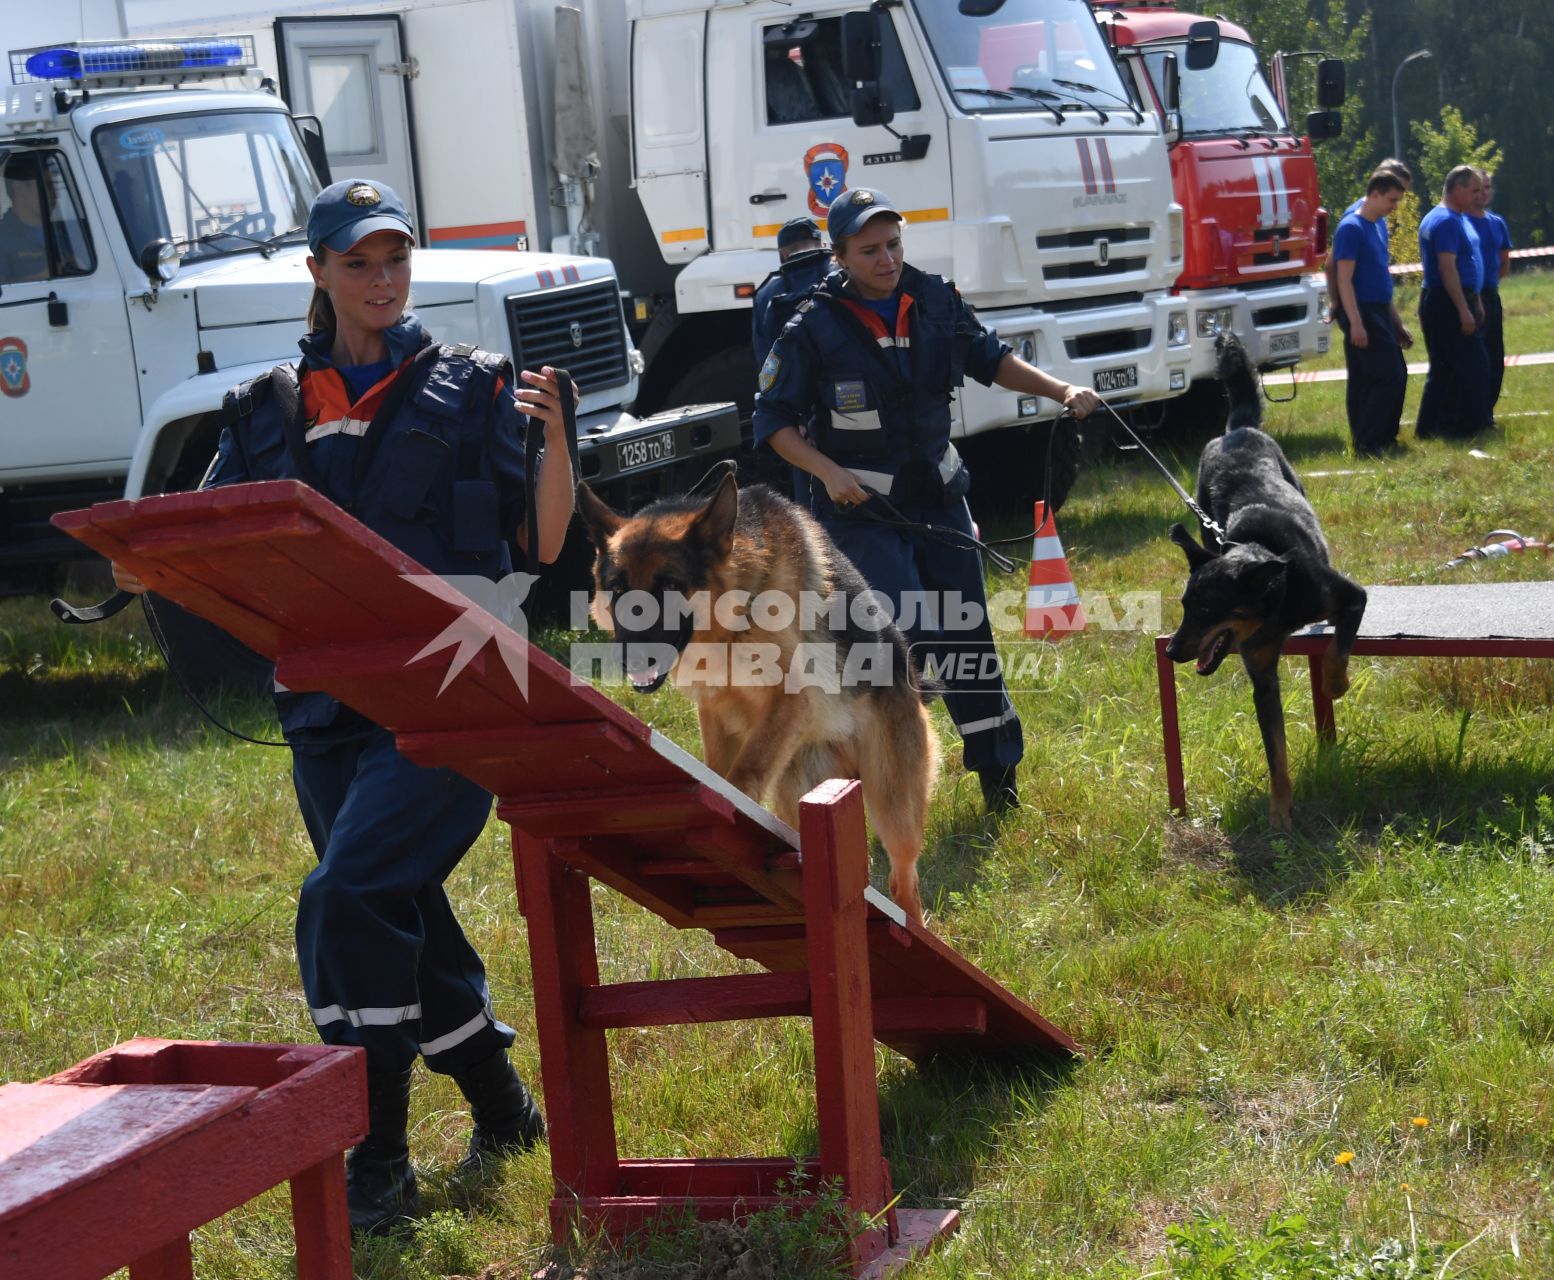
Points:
[(1457, 388), (384, 962), (1378, 380), (1494, 342), (895, 561)]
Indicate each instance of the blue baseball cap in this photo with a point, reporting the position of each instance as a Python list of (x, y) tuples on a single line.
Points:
[(345, 213), (796, 231), (851, 209)]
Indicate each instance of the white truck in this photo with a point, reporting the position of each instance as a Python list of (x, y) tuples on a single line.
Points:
[(152, 257), (676, 136)]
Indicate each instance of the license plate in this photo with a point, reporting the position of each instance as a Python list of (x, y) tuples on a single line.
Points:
[(1282, 344), (1117, 379), (633, 454)]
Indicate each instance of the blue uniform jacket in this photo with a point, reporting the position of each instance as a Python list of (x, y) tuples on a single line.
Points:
[(446, 484), (828, 369), (779, 296)]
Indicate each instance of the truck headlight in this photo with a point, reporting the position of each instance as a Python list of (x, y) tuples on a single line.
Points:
[(1215, 321), (636, 363), (1323, 302), (1176, 329)]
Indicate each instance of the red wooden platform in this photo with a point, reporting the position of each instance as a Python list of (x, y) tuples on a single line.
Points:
[(114, 1162), (1466, 620), (592, 793)]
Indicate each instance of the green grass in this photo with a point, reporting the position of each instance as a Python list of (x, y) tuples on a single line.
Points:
[(1252, 1005)]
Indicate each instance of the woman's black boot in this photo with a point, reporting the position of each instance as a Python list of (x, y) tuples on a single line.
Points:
[(379, 1180), (506, 1119)]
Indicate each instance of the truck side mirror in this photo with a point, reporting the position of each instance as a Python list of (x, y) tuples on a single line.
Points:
[(1202, 45), (1322, 125), (1332, 83), (861, 46), (312, 130), (159, 260), (1170, 83), (872, 105), (1171, 98)]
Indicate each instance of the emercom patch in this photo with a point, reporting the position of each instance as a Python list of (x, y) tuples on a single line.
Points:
[(851, 396), (770, 370)]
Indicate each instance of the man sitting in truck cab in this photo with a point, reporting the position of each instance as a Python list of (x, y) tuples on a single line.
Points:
[(24, 253)]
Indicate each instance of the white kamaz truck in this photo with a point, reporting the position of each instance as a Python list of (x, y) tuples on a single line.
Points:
[(152, 257), (676, 136)]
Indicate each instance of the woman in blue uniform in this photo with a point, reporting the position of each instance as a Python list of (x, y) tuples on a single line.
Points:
[(440, 474), (870, 362)]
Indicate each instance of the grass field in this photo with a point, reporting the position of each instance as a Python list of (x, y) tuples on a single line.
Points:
[(1323, 1054)]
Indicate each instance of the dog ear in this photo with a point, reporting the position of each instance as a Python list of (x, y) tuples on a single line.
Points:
[(1197, 557), (599, 521), (1267, 575), (714, 527)]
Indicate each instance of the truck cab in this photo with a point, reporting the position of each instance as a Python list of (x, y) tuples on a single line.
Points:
[(1247, 179), (1028, 170), (170, 265)]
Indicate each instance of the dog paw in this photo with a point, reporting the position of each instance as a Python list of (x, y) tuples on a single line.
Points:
[(1335, 676)]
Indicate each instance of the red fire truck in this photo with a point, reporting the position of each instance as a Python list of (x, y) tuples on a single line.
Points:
[(1256, 231)]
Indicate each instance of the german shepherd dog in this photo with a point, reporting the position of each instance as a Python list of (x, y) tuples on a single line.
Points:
[(714, 579), (1269, 577)]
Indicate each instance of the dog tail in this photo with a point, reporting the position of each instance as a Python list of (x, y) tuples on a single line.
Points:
[(1240, 379)]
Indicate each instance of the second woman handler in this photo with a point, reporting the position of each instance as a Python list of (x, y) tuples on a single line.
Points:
[(384, 962), (856, 392)]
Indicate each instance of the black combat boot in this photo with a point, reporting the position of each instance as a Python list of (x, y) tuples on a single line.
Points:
[(379, 1180), (506, 1119), (999, 792)]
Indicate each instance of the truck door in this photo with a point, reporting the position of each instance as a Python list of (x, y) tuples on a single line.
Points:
[(68, 393), (789, 100), (352, 74)]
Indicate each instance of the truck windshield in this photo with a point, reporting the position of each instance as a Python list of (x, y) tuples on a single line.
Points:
[(1229, 97), (226, 182), (1030, 53)]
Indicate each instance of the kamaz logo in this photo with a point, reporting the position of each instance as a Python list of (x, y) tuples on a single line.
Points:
[(575, 331), (1103, 252), (1089, 202)]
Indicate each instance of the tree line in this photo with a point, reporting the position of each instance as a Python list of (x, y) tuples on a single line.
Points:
[(1485, 93)]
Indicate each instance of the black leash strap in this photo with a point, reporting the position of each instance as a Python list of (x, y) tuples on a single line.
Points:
[(534, 437), (79, 614), (879, 510), (1203, 517)]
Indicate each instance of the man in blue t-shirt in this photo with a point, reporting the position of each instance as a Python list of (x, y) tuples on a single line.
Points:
[(1494, 239), (1457, 389), (1405, 175), (1374, 333)]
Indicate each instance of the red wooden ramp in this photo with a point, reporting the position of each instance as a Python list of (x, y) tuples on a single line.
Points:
[(593, 793)]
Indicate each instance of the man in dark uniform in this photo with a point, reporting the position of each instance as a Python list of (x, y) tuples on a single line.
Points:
[(1374, 334), (1456, 392), (805, 262), (856, 394), (1494, 239), (24, 253)]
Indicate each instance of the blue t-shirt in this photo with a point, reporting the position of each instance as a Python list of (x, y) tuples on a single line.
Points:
[(1386, 231), (362, 378), (1364, 243), (1443, 231), (1494, 238)]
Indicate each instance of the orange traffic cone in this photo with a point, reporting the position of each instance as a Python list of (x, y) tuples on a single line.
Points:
[(1052, 608)]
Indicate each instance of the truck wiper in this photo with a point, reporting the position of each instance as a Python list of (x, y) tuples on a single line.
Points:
[(1082, 87), (281, 237), (1045, 97), (210, 237)]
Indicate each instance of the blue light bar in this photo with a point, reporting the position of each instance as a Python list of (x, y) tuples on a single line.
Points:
[(90, 59)]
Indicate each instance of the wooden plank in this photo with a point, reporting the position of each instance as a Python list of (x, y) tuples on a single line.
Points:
[(836, 872), (681, 1001)]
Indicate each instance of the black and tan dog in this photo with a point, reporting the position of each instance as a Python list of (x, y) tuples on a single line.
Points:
[(745, 600), (1269, 577)]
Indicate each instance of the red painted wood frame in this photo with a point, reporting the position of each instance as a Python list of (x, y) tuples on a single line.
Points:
[(592, 793), (113, 1162), (1312, 648)]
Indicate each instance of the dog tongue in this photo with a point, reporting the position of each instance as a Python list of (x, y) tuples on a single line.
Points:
[(1208, 661)]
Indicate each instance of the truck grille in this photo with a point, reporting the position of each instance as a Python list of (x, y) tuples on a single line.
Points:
[(1088, 346), (1089, 238), (577, 328)]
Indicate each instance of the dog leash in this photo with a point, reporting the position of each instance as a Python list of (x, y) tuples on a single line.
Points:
[(1212, 526)]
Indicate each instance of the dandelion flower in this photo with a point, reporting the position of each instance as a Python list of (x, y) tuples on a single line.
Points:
[(1405, 1186), (1343, 1157), (1421, 1122)]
